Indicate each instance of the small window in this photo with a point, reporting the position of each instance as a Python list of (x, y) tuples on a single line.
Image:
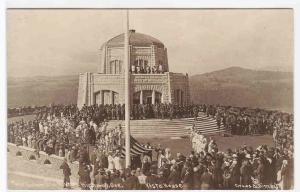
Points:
[(115, 67)]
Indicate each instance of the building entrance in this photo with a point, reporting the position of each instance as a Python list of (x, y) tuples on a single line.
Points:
[(106, 97), (147, 97), (149, 100)]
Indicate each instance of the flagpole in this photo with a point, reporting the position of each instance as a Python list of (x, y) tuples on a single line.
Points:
[(127, 92)]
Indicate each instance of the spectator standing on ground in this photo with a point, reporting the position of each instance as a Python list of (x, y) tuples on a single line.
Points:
[(67, 173)]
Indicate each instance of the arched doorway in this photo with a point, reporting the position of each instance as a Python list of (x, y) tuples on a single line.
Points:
[(147, 97), (106, 97)]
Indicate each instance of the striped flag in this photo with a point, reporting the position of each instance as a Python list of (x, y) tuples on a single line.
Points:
[(135, 148)]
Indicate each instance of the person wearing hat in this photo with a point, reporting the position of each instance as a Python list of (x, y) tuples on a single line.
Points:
[(246, 171), (235, 172), (151, 177), (196, 178), (96, 166), (226, 177), (146, 164), (100, 179), (187, 176), (131, 182), (180, 161), (83, 155), (103, 160), (174, 176), (107, 178), (85, 177), (260, 172), (142, 179), (286, 175), (206, 179), (118, 162), (67, 172), (117, 181)]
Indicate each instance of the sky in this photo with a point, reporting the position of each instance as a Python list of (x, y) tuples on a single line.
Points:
[(45, 42)]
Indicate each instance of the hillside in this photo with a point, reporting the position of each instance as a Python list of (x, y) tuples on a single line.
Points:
[(244, 87), (41, 90), (232, 86)]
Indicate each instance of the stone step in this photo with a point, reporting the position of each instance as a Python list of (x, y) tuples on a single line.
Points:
[(183, 127), (207, 123), (149, 133), (139, 135), (173, 130), (169, 128), (179, 129)]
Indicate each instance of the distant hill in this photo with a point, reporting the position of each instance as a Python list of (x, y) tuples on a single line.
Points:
[(41, 90), (232, 86), (238, 86)]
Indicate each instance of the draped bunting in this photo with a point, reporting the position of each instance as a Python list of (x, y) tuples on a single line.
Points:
[(136, 148)]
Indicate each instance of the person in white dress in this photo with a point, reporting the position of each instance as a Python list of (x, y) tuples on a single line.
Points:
[(168, 155), (110, 159), (194, 141), (118, 162), (29, 139), (197, 143), (41, 127), (46, 128), (211, 146), (161, 157), (202, 143)]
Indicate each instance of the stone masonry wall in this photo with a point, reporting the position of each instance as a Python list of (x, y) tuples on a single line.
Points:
[(81, 99), (180, 81), (91, 83), (54, 160)]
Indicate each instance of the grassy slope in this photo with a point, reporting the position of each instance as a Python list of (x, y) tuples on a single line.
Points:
[(232, 86), (42, 90), (243, 87)]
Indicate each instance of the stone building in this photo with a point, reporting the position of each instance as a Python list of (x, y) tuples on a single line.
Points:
[(151, 81)]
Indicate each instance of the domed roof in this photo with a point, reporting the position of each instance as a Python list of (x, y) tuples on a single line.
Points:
[(136, 39)]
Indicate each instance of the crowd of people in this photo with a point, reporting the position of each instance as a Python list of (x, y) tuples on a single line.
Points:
[(241, 121), (20, 111), (59, 136), (236, 120), (140, 69), (266, 167), (82, 135)]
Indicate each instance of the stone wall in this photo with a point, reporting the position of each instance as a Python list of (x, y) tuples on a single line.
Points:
[(152, 54), (157, 82), (81, 99), (181, 82), (55, 161), (91, 84)]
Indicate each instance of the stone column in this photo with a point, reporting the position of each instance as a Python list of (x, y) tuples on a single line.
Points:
[(169, 87), (180, 98), (103, 60), (162, 97), (87, 90), (101, 97), (112, 97), (141, 97), (92, 90), (153, 97)]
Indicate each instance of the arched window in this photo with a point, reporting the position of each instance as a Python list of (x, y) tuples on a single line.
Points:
[(115, 67)]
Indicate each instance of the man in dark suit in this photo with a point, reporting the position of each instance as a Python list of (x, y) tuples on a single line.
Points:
[(67, 172)]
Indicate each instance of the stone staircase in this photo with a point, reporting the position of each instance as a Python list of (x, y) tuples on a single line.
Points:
[(169, 128)]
